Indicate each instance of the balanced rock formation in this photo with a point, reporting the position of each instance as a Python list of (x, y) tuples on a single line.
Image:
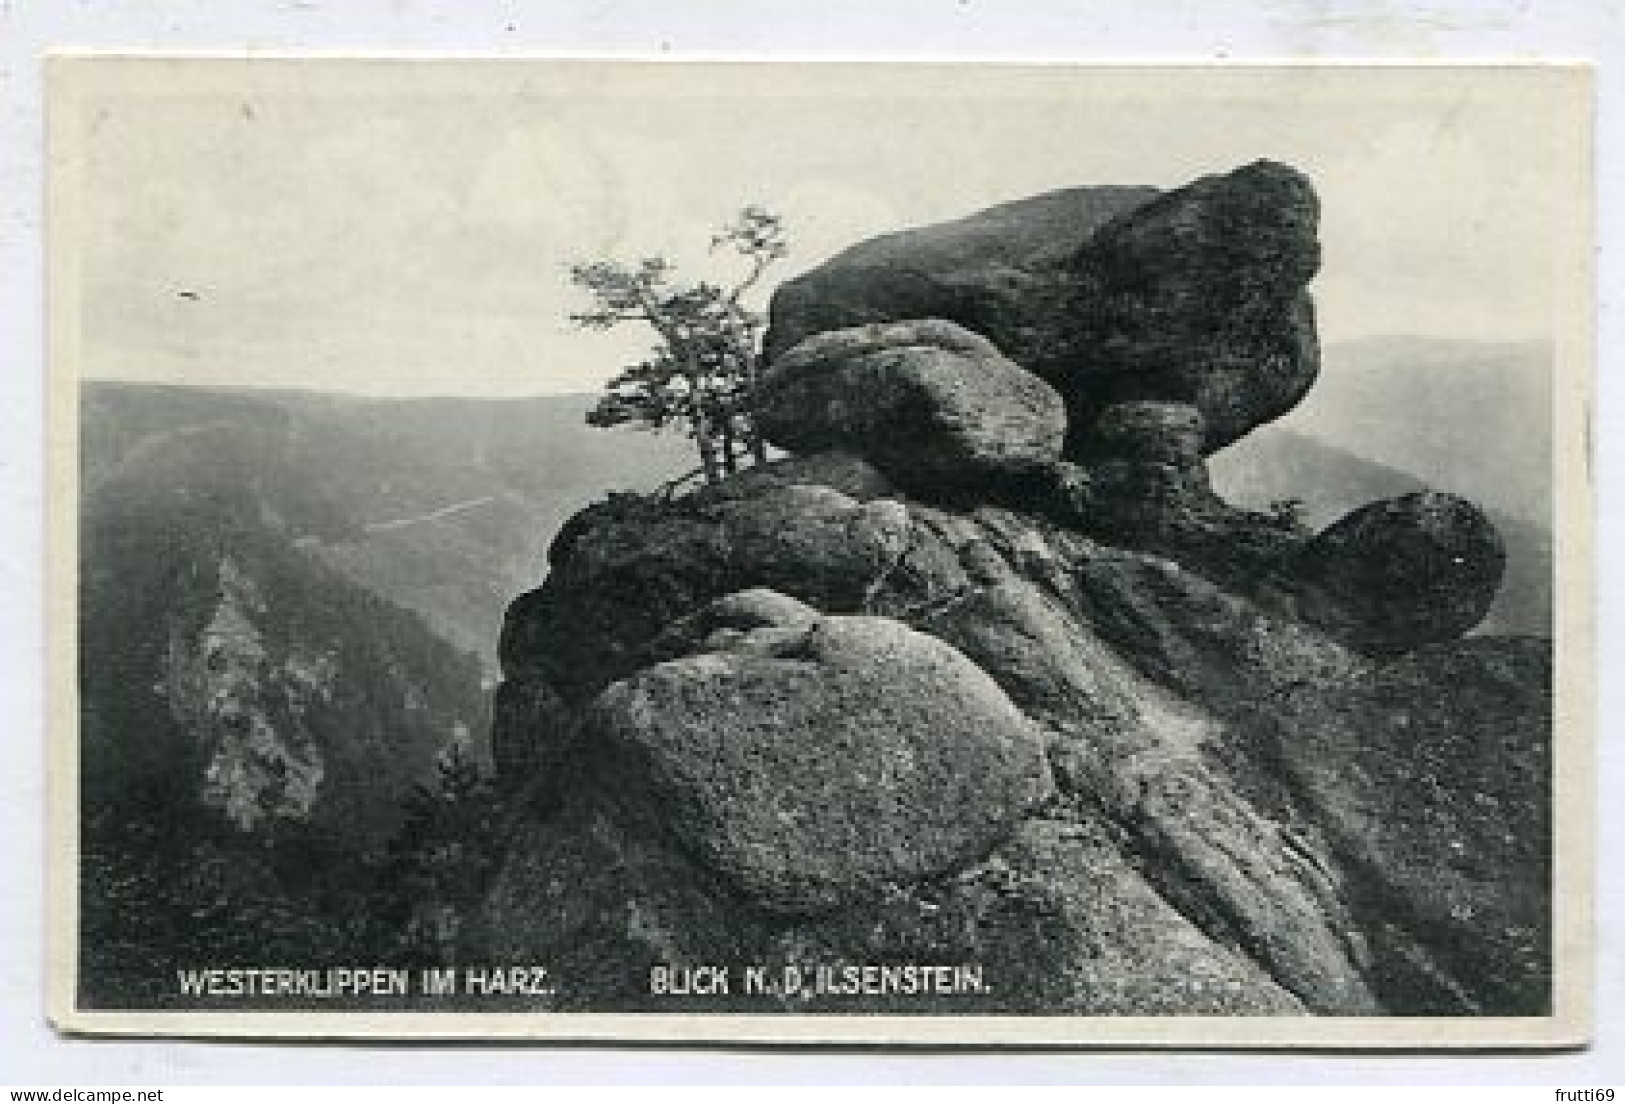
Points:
[(1197, 295), (932, 691), (934, 405)]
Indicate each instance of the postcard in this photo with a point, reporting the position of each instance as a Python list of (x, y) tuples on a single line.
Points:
[(821, 553)]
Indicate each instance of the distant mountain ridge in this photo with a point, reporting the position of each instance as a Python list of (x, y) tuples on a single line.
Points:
[(441, 505), (252, 724), (1470, 417), (210, 643), (282, 598)]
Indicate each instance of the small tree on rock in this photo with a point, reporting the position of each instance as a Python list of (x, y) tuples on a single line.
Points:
[(702, 374)]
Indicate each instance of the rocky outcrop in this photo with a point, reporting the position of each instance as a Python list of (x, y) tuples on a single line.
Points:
[(1070, 725), (247, 711), (1141, 754), (934, 405), (1059, 918), (1150, 687)]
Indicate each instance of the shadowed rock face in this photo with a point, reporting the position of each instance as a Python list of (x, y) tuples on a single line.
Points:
[(1432, 776), (630, 572), (1199, 296), (972, 271), (1125, 747), (1398, 574), (1150, 432)]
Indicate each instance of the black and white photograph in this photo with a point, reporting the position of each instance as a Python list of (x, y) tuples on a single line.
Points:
[(910, 553)]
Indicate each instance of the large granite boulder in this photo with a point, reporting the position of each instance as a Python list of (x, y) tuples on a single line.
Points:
[(810, 765), (937, 407), (1401, 573), (972, 271)]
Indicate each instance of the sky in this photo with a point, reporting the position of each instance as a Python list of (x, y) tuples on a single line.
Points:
[(407, 228)]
